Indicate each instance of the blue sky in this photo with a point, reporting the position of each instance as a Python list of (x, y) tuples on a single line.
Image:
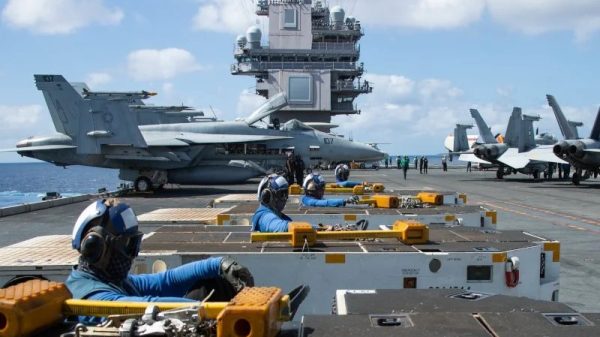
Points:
[(430, 61)]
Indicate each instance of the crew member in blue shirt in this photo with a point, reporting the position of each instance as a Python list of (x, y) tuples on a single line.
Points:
[(272, 195), (314, 189), (342, 171), (106, 235)]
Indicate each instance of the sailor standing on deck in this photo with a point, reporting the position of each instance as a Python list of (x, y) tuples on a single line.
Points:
[(107, 236), (314, 189)]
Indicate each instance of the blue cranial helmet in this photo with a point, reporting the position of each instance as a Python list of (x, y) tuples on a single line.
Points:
[(273, 192), (115, 220)]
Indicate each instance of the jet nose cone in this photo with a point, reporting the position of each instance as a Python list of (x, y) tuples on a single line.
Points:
[(24, 143), (369, 153)]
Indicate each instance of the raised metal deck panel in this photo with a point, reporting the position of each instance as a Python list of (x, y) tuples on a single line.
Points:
[(181, 215), (43, 251), (383, 301), (442, 240), (235, 199), (249, 208), (470, 215), (536, 324), (444, 324), (201, 228), (429, 325)]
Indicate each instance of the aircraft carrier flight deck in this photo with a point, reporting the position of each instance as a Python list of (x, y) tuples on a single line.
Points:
[(552, 209)]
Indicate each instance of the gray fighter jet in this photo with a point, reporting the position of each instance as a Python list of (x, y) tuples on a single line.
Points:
[(105, 129), (583, 154), (509, 155)]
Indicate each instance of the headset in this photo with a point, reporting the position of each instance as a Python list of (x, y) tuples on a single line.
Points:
[(270, 188), (97, 241)]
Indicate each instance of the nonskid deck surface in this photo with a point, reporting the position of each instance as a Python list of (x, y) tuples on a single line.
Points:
[(554, 209), (444, 312), (191, 239)]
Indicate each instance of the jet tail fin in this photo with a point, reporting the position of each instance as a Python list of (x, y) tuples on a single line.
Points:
[(513, 129), (595, 134), (461, 142), (484, 130), (91, 123), (527, 136), (567, 128)]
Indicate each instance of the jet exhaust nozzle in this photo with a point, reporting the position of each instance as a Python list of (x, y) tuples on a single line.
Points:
[(491, 152), (560, 148), (576, 150)]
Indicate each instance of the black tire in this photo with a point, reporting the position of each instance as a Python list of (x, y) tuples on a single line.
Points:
[(20, 279), (576, 178), (142, 184), (536, 174), (500, 173)]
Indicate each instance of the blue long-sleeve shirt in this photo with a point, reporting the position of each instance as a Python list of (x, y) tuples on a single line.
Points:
[(347, 183), (265, 220), (307, 200), (168, 286)]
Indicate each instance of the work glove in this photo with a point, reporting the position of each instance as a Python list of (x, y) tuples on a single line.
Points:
[(237, 275), (352, 200), (325, 228)]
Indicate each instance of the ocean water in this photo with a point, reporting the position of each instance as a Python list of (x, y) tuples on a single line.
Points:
[(28, 182)]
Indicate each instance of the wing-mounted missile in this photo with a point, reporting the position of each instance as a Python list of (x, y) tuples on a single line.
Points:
[(116, 95), (274, 104)]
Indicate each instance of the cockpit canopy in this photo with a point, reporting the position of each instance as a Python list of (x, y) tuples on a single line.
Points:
[(295, 125)]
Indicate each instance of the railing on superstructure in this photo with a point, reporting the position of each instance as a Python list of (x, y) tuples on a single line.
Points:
[(256, 66), (262, 6), (335, 46), (349, 85)]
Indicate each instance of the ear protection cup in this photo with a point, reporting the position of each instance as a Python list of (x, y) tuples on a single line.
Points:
[(266, 196), (93, 245)]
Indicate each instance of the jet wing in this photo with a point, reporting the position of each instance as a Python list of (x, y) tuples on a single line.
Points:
[(592, 150), (39, 148), (513, 158), (472, 158), (543, 153), (169, 138)]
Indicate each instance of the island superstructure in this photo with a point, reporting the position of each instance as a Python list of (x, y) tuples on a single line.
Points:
[(312, 55)]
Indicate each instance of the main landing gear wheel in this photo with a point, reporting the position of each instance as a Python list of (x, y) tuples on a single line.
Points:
[(500, 173), (142, 184), (536, 174), (576, 178)]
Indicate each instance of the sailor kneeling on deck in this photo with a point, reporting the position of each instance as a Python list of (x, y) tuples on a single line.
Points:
[(106, 235), (272, 194), (342, 172), (314, 189), (269, 217)]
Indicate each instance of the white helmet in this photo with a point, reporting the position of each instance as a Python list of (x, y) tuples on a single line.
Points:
[(314, 185), (342, 172)]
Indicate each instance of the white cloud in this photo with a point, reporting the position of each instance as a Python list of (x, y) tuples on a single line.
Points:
[(228, 16), (58, 16), (19, 117), (94, 80), (168, 88), (428, 14), (248, 101), (540, 16), (401, 109), (160, 64)]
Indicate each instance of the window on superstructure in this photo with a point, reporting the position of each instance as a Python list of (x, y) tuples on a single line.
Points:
[(300, 89), (290, 18)]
